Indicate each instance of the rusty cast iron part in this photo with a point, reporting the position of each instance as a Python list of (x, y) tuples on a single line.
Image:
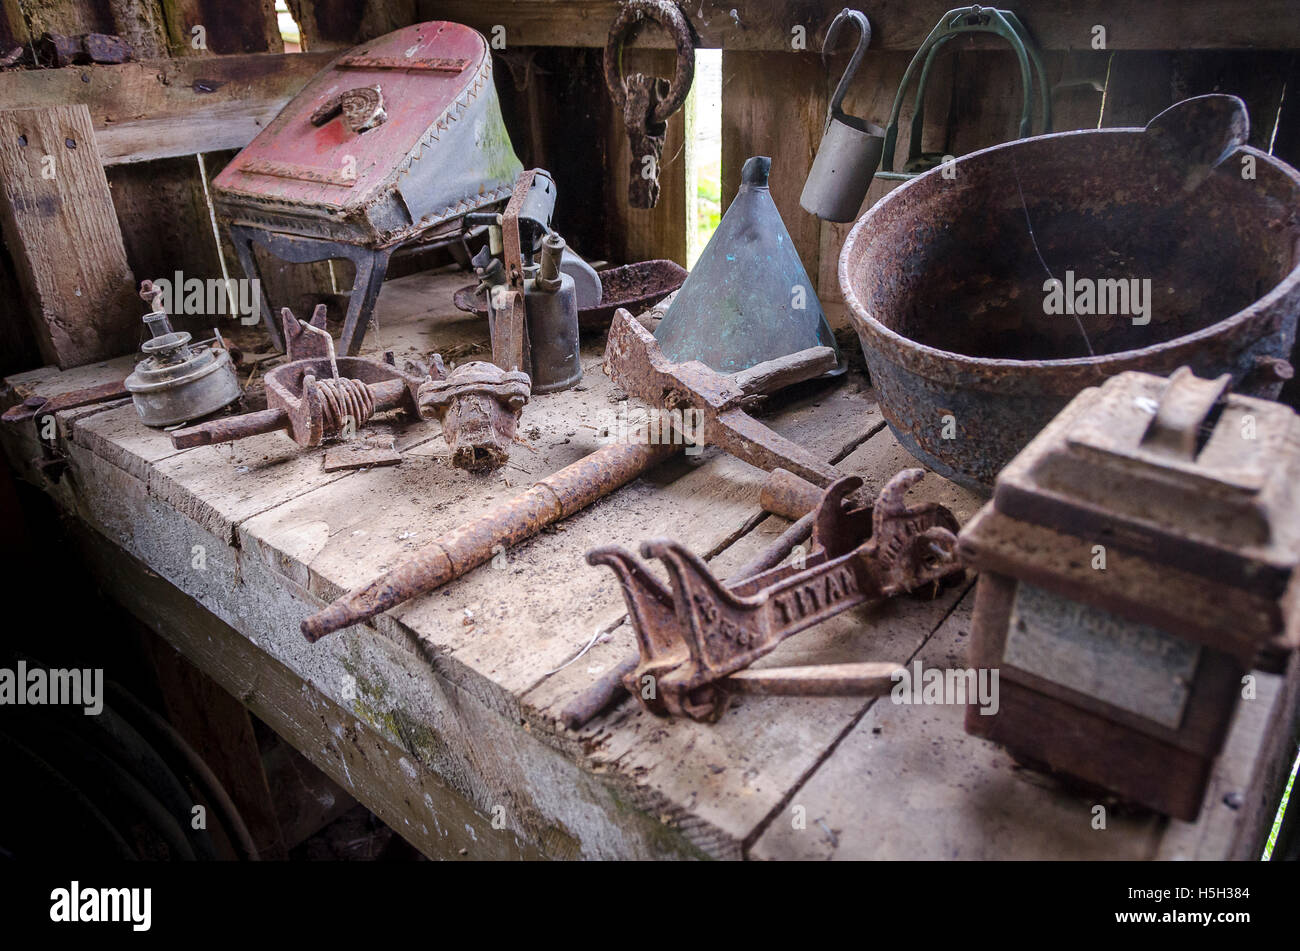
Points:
[(608, 687), (316, 395), (950, 286), (646, 102), (577, 486), (362, 109), (478, 404), (177, 382), (634, 361), (697, 634), (556, 497), (389, 146), (1138, 558)]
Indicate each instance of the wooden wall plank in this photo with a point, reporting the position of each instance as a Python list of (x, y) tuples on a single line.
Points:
[(63, 236), (897, 24), (160, 109), (337, 24), (774, 104), (221, 26)]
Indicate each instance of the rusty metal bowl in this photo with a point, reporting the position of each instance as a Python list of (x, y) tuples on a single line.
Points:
[(945, 277)]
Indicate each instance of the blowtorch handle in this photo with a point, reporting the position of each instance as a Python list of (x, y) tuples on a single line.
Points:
[(231, 428)]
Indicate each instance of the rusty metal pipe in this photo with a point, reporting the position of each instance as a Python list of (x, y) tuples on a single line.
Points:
[(558, 496), (231, 428)]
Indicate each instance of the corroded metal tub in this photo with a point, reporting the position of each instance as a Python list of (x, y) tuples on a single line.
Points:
[(945, 278)]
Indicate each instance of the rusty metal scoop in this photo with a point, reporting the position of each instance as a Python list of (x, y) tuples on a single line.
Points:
[(696, 639)]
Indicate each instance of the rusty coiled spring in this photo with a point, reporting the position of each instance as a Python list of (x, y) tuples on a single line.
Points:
[(343, 399)]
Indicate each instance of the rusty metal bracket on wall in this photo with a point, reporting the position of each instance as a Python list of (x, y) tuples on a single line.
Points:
[(647, 102)]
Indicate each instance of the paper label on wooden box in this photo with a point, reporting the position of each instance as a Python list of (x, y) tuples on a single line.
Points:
[(1133, 666)]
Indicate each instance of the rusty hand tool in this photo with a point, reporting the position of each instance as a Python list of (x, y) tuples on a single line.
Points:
[(608, 687), (694, 637), (646, 102), (35, 406), (634, 361), (315, 394), (558, 496)]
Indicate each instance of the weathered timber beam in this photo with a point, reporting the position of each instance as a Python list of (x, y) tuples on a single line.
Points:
[(896, 24), (164, 108)]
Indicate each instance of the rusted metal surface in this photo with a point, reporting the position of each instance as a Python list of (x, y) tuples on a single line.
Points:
[(478, 404), (37, 406), (945, 282), (630, 286), (576, 486), (696, 634), (1137, 560), (361, 109), (316, 395), (646, 102), (633, 360), (370, 157), (608, 687)]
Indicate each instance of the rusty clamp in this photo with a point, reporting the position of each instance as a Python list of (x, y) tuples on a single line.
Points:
[(646, 102), (315, 395), (695, 637)]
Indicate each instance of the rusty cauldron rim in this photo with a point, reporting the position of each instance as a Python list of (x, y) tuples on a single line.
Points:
[(1056, 376)]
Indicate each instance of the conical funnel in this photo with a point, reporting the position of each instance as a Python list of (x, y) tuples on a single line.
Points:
[(748, 299)]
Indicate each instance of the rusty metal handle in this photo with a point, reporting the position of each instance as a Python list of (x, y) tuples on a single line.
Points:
[(670, 17), (230, 429)]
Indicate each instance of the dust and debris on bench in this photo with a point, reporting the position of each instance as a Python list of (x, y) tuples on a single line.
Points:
[(443, 715)]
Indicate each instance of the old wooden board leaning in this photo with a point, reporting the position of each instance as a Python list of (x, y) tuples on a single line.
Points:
[(456, 696)]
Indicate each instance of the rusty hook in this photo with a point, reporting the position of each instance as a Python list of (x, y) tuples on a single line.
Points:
[(631, 15)]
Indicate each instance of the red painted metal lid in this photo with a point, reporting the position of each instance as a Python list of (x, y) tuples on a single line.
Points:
[(428, 76)]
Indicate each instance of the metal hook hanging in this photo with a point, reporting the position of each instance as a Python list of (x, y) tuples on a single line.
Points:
[(850, 149), (864, 40)]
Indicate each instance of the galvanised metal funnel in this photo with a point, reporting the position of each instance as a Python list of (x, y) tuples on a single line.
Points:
[(748, 299)]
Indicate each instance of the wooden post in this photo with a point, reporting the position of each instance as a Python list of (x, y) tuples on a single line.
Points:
[(62, 232)]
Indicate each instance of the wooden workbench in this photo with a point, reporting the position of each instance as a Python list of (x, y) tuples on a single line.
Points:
[(442, 716)]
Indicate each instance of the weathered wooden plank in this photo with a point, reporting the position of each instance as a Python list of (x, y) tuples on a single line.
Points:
[(410, 799), (330, 24), (203, 27), (463, 700), (62, 233), (160, 109), (898, 24), (775, 104), (951, 796)]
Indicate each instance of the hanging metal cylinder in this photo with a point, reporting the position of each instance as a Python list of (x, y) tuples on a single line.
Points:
[(850, 150)]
